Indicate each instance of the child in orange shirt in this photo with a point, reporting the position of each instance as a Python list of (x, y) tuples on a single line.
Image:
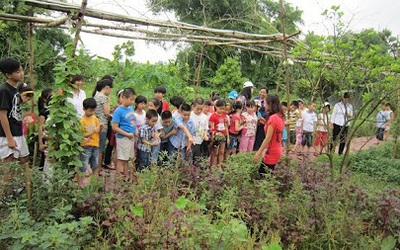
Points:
[(91, 127)]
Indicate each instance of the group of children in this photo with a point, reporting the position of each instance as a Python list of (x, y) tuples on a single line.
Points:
[(305, 124)]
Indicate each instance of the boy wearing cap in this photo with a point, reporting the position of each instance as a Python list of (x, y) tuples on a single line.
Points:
[(13, 145), (321, 138)]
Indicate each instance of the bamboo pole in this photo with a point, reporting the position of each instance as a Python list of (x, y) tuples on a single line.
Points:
[(285, 66), (80, 17), (198, 73), (103, 15)]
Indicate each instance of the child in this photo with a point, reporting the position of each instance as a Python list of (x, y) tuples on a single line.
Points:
[(235, 127), (207, 108), (140, 114), (43, 115), (102, 93), (124, 124), (200, 121), (167, 131), (309, 119), (249, 129), (154, 104), (386, 134), (206, 146), (91, 127), (219, 133), (110, 152), (176, 102), (293, 117), (321, 138), (144, 140), (285, 115), (159, 93), (183, 140), (382, 119), (13, 144)]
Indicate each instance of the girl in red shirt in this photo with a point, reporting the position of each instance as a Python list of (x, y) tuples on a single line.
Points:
[(219, 133), (272, 144)]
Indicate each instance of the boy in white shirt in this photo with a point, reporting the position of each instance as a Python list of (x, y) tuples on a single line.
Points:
[(200, 121), (308, 124)]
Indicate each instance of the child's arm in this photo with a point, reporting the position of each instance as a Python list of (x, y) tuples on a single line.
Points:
[(238, 125), (6, 128), (121, 132), (188, 134), (107, 108), (168, 135)]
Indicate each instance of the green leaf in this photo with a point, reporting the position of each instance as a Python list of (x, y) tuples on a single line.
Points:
[(272, 246), (388, 243), (137, 210), (182, 202)]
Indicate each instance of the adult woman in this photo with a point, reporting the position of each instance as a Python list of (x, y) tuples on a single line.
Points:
[(342, 113), (272, 144), (247, 91), (78, 95), (262, 117)]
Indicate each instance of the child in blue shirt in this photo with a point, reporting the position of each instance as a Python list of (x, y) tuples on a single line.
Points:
[(183, 140), (124, 124)]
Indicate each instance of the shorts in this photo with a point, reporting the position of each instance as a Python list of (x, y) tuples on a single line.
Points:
[(21, 150), (379, 133), (103, 139), (89, 157), (307, 139), (125, 148), (321, 138), (233, 141)]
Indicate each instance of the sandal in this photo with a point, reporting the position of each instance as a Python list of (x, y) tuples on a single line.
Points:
[(109, 166)]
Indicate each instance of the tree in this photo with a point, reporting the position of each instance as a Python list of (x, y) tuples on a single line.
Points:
[(245, 15), (228, 76), (359, 63), (48, 43)]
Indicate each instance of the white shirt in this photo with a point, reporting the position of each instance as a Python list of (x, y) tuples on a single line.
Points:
[(77, 101), (201, 125), (309, 119), (325, 118), (339, 116)]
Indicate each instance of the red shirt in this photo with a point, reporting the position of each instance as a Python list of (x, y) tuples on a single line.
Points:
[(234, 117), (219, 122), (274, 149), (164, 106)]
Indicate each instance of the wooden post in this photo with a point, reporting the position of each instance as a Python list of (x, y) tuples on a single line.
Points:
[(198, 72), (79, 26), (286, 68)]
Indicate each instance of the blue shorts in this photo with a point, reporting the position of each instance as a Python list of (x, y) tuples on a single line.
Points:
[(90, 155), (233, 141)]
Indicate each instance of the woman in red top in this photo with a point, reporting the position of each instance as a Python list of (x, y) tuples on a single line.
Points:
[(273, 136), (219, 133)]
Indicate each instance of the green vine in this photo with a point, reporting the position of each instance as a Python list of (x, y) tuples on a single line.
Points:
[(63, 126)]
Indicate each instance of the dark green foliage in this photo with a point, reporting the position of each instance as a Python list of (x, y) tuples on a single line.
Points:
[(377, 162)]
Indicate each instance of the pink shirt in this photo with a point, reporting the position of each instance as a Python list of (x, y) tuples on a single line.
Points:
[(250, 126), (234, 118)]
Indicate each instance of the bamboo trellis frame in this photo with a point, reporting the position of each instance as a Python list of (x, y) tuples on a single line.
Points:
[(124, 26)]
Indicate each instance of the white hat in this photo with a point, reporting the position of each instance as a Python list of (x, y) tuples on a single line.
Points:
[(248, 84), (327, 104)]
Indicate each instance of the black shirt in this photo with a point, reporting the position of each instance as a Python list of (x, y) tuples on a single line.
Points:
[(10, 100)]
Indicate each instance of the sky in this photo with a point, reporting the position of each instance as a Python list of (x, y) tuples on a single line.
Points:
[(360, 14)]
